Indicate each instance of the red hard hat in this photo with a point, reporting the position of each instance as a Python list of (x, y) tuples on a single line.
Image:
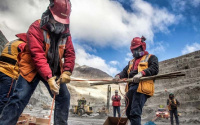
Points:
[(137, 41), (61, 10)]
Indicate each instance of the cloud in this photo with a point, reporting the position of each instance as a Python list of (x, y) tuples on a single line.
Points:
[(104, 22), (17, 15), (128, 57), (84, 58), (195, 3), (183, 5), (114, 63), (191, 48), (157, 48), (97, 22), (178, 5)]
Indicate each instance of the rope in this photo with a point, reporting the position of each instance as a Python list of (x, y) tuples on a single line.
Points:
[(51, 109), (12, 80), (127, 104), (10, 87)]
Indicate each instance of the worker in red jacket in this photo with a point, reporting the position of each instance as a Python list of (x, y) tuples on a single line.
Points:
[(48, 42), (116, 104)]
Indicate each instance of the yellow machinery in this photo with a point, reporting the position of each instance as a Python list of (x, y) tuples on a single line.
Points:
[(82, 108)]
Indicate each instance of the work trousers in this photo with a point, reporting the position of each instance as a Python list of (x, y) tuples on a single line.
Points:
[(5, 88), (135, 104), (21, 96), (116, 109), (175, 113)]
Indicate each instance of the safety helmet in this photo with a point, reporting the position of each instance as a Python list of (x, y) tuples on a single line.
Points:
[(171, 95), (116, 91), (60, 9), (137, 42)]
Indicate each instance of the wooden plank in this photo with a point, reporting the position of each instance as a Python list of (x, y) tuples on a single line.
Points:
[(155, 77), (42, 121)]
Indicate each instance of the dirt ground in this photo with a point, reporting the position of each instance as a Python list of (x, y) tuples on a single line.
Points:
[(96, 119), (91, 121)]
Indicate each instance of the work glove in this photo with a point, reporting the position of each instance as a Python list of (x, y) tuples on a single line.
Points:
[(65, 77), (54, 87), (117, 78), (136, 78)]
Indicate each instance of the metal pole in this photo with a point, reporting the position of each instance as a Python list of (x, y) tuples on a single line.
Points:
[(108, 97)]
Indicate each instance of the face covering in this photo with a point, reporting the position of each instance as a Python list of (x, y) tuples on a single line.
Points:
[(56, 27), (137, 53)]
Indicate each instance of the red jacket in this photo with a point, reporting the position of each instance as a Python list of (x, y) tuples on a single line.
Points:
[(116, 100), (36, 52)]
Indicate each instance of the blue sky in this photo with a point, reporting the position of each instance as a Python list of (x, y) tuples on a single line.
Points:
[(103, 29), (181, 37)]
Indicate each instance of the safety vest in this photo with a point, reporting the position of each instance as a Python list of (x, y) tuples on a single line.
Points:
[(8, 59), (170, 102), (146, 86)]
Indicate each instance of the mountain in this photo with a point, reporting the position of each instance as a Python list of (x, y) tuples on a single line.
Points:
[(87, 72)]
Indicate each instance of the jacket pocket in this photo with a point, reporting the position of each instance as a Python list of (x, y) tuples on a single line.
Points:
[(146, 87)]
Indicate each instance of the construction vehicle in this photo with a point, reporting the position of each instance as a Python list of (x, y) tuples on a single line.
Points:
[(162, 113), (81, 108)]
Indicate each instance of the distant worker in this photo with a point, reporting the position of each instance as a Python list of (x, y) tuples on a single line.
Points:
[(172, 106), (116, 104), (143, 64)]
